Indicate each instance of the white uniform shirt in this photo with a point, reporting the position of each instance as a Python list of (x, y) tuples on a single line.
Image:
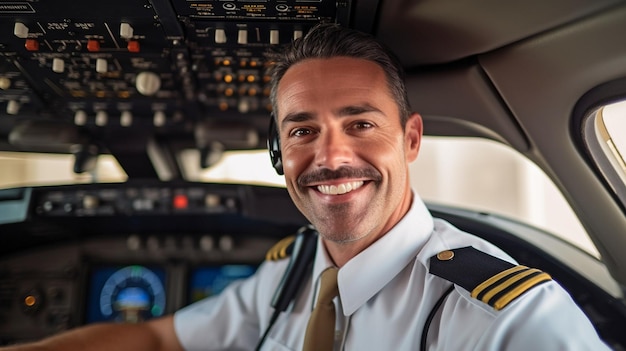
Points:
[(386, 294)]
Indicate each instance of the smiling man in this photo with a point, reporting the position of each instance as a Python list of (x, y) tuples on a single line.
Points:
[(405, 280), (345, 150)]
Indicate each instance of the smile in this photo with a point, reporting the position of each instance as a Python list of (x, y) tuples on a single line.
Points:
[(340, 188)]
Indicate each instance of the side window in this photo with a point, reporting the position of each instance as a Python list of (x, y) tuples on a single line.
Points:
[(605, 135), (487, 176)]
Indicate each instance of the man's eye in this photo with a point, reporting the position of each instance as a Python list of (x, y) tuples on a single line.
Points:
[(300, 132), (363, 125)]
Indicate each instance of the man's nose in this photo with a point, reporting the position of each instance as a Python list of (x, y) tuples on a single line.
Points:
[(333, 150)]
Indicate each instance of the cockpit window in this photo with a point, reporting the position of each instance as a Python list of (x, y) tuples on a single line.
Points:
[(28, 169), (248, 167), (448, 171), (502, 183), (605, 135)]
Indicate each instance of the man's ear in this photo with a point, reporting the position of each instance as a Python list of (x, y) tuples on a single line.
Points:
[(413, 136)]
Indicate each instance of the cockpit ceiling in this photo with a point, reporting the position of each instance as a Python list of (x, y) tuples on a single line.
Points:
[(431, 32)]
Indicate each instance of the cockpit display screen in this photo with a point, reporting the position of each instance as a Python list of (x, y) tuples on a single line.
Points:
[(207, 281), (128, 294)]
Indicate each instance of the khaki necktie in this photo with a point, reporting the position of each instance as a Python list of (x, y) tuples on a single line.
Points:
[(320, 332)]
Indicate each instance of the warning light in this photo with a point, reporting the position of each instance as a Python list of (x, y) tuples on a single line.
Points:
[(30, 301), (181, 202), (93, 45), (31, 45), (133, 46)]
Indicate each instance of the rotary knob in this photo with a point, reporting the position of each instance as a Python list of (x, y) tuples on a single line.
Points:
[(148, 83)]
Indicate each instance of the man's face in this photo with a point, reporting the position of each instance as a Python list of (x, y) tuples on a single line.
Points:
[(345, 153)]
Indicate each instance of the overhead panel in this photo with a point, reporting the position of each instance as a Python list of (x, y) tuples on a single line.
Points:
[(107, 65)]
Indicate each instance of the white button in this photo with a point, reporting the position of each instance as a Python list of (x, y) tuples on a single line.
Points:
[(220, 36), (80, 118), (20, 30), (274, 37), (243, 106), (126, 119), (159, 118), (5, 83), (13, 107), (58, 65), (101, 118), (126, 30), (102, 65), (242, 36), (206, 243)]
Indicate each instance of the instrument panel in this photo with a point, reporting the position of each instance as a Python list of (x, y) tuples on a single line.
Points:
[(84, 254)]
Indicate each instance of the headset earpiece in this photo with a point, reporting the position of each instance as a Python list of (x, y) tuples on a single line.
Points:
[(273, 145)]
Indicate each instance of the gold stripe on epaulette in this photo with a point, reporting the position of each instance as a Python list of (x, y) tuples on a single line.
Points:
[(487, 283), (522, 288), (279, 250), (504, 287), (507, 284)]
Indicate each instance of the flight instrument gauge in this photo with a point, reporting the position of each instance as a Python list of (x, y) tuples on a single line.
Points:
[(132, 294)]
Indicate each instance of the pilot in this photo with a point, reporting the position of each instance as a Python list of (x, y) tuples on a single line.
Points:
[(385, 274)]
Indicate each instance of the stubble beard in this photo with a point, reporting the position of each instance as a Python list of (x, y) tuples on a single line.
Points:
[(326, 224)]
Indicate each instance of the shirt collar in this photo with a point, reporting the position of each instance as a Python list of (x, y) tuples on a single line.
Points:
[(368, 272)]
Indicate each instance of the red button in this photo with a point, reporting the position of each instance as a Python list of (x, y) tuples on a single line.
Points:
[(133, 46), (181, 201), (31, 45), (93, 45)]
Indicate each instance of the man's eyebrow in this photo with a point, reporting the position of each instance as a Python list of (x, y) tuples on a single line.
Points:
[(357, 110), (296, 117), (344, 111)]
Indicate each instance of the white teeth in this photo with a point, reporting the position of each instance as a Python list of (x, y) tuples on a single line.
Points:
[(339, 189)]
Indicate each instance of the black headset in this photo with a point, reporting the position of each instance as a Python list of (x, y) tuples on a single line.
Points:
[(273, 145)]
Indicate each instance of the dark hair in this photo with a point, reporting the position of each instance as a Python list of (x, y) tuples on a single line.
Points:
[(331, 40)]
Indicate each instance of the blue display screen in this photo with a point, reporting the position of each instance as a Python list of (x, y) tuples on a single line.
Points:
[(129, 294), (211, 280)]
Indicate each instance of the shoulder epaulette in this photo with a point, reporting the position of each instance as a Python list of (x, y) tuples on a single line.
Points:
[(489, 279), (281, 249)]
